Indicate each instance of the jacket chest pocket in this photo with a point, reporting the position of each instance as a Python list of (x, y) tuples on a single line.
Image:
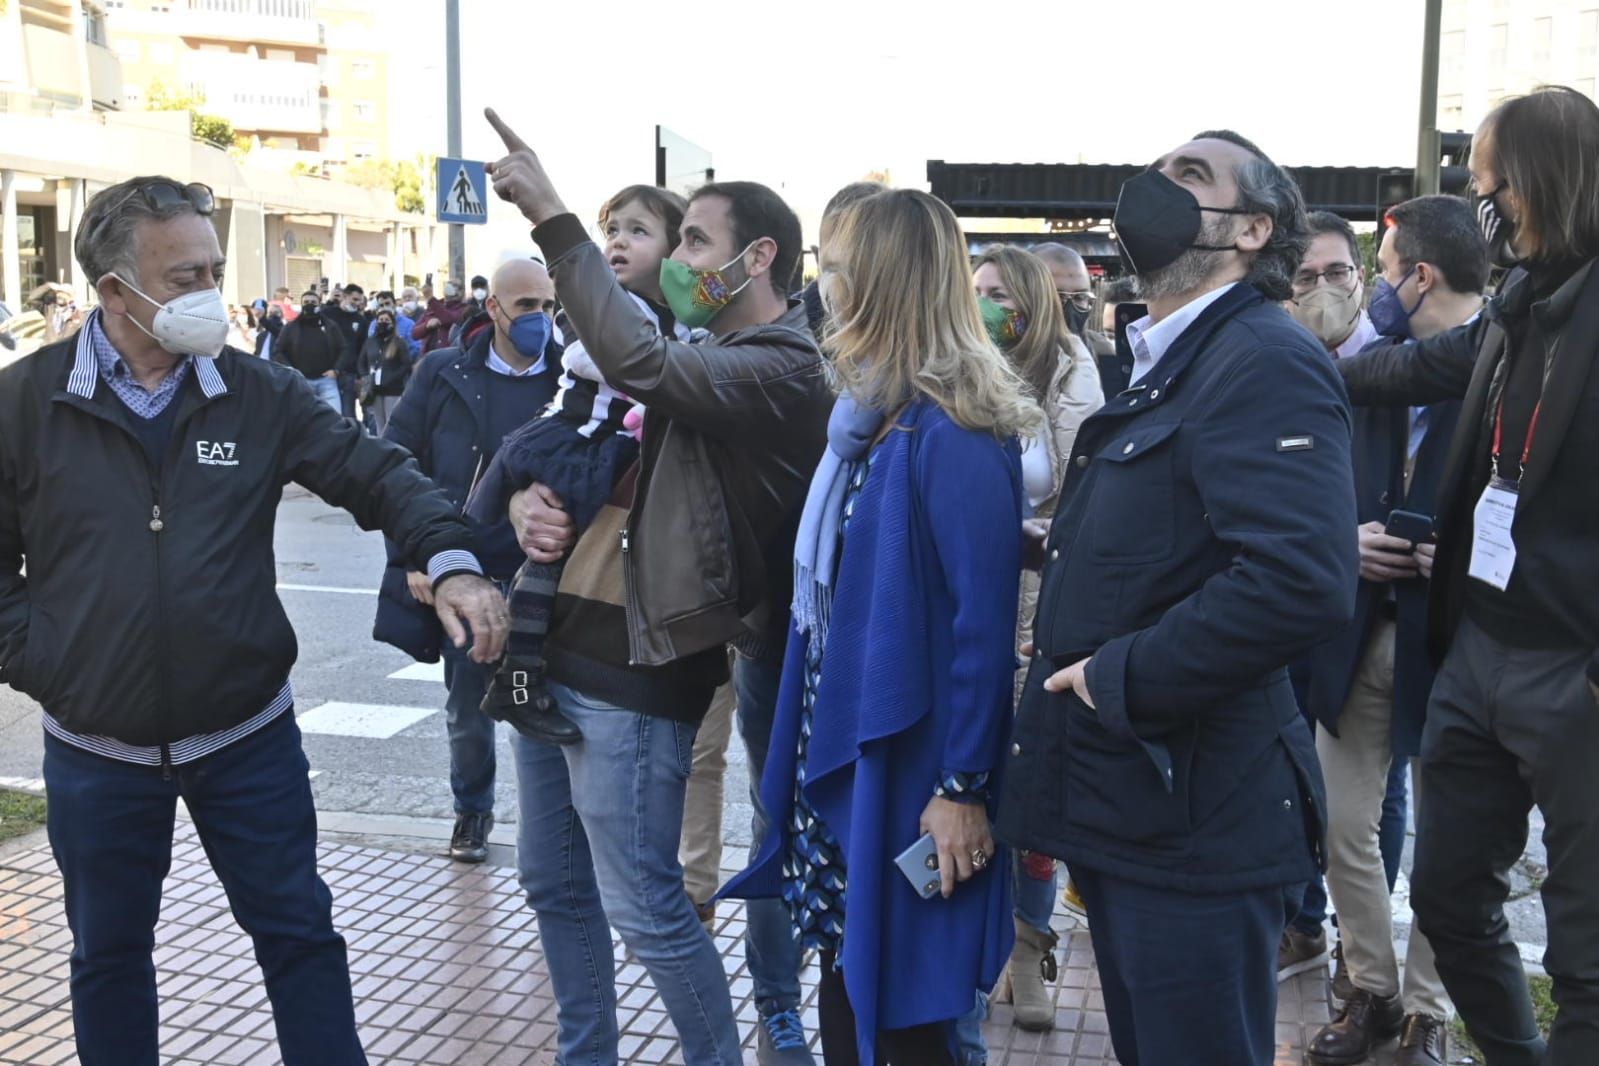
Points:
[(1132, 513)]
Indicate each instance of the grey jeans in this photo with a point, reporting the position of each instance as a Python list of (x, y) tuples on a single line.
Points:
[(1507, 728)]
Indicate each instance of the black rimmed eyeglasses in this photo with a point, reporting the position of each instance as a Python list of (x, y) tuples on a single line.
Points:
[(1338, 275)]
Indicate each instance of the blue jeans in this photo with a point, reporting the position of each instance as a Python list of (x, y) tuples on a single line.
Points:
[(471, 732), (620, 787), (1035, 896), (971, 1048), (110, 826), (1035, 905), (327, 390), (771, 949), (1391, 826)]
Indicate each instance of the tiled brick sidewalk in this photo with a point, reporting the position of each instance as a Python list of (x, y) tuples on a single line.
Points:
[(447, 971)]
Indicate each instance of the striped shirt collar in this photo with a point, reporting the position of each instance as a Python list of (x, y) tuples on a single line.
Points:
[(97, 357)]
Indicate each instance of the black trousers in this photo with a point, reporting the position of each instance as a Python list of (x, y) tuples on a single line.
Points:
[(923, 1045), (1507, 728)]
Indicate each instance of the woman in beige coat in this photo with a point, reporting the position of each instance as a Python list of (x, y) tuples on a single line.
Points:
[(1023, 312)]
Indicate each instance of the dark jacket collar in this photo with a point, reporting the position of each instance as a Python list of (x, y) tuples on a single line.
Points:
[(1519, 297), (83, 377)]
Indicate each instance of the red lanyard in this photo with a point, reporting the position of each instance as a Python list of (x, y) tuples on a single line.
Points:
[(1499, 431)]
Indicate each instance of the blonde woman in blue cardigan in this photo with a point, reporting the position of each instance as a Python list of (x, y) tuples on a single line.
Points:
[(895, 707)]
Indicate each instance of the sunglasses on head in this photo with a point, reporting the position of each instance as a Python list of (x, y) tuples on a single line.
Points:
[(163, 195)]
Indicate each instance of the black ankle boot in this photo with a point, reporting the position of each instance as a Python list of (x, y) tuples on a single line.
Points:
[(517, 696)]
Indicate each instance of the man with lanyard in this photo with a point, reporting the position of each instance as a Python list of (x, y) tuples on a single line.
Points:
[(1514, 599), (1368, 686)]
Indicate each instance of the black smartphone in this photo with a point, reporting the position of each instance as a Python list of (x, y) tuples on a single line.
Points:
[(1410, 525)]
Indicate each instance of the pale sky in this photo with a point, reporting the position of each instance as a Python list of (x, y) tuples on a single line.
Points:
[(807, 97)]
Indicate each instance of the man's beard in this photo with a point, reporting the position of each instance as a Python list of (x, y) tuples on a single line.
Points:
[(1190, 270)]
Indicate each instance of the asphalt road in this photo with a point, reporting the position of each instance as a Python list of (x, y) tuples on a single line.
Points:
[(328, 571)]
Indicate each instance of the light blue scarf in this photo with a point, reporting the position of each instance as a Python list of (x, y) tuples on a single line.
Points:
[(850, 431)]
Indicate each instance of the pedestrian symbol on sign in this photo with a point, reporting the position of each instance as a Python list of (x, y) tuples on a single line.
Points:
[(462, 188), (465, 197)]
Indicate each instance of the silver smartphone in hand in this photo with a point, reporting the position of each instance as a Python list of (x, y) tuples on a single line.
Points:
[(919, 864)]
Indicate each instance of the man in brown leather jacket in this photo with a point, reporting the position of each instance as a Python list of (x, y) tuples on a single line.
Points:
[(693, 552)]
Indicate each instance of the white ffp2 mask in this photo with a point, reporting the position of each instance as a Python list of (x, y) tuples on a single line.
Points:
[(195, 323)]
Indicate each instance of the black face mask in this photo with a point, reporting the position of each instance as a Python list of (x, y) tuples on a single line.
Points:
[(1157, 220), (384, 329), (1497, 230), (310, 310), (1076, 318)]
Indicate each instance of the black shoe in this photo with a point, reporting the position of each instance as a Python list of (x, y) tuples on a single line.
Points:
[(1425, 1042), (470, 841), (517, 697), (1365, 1022)]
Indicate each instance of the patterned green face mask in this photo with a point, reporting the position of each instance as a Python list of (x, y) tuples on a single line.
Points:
[(1005, 326), (697, 296)]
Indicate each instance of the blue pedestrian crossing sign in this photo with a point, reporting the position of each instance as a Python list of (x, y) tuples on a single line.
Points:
[(462, 191)]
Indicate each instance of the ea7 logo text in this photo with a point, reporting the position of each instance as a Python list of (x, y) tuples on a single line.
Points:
[(215, 453)]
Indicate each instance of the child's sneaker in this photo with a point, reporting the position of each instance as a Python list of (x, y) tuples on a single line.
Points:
[(517, 696)]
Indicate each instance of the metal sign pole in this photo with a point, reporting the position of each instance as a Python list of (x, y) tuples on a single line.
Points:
[(452, 52)]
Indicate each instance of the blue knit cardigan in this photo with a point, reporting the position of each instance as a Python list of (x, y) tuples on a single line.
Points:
[(916, 680)]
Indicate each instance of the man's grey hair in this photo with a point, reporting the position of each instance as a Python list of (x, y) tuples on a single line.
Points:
[(1267, 188), (1057, 253), (106, 239)]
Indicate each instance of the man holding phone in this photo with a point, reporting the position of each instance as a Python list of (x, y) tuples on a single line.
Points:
[(1369, 685)]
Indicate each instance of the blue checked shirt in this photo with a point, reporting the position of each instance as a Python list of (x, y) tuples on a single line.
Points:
[(115, 373)]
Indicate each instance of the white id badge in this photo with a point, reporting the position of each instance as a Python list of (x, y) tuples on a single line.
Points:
[(377, 375), (1493, 551)]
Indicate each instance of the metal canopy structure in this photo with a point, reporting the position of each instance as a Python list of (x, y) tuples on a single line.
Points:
[(1087, 192)]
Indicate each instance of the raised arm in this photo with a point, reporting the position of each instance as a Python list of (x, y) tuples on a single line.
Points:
[(1415, 373)]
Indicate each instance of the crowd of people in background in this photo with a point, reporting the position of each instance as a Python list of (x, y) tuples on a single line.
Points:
[(1171, 596)]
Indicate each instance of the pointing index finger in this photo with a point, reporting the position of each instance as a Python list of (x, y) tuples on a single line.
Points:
[(513, 143)]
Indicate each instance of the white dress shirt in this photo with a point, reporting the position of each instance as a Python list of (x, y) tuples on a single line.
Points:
[(1150, 339), (500, 366)]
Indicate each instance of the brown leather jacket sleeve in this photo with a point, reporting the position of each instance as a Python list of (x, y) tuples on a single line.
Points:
[(724, 387)]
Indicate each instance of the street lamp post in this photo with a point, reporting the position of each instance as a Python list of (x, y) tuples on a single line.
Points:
[(1428, 153)]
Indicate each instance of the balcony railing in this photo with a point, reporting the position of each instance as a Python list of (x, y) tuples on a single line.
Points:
[(264, 21)]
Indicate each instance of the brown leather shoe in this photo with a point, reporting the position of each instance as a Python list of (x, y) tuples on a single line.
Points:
[(1299, 953), (1365, 1022), (1423, 1042)]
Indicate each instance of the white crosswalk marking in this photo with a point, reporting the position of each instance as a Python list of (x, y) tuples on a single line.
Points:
[(371, 720), (283, 587), (420, 672)]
